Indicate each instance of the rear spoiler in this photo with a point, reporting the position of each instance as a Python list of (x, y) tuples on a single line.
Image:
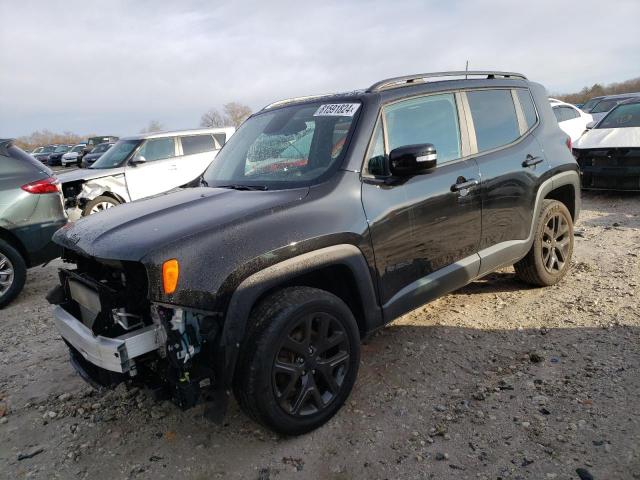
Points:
[(4, 146)]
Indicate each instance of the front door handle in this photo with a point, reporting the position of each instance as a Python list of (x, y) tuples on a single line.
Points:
[(464, 184), (531, 161)]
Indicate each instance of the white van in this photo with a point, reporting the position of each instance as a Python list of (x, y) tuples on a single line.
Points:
[(141, 166)]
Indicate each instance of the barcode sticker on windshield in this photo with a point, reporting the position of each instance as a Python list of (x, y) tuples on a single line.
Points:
[(337, 109)]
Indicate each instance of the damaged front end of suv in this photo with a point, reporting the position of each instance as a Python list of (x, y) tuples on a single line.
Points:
[(116, 334)]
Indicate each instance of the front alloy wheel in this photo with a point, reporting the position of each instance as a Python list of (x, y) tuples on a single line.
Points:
[(298, 361), (311, 364)]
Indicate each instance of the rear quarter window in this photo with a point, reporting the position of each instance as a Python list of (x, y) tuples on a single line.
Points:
[(528, 108), (494, 118), (197, 144)]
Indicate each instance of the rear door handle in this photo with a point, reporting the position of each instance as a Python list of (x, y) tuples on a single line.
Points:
[(173, 167), (531, 161), (456, 187)]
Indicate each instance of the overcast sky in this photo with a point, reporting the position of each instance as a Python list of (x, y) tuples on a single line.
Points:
[(110, 67)]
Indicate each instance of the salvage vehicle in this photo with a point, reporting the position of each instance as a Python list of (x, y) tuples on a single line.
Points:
[(604, 104), (73, 156), (90, 158), (140, 166), (609, 153), (571, 119), (30, 212), (322, 219)]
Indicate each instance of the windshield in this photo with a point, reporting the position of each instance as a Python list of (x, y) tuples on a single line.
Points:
[(622, 116), (62, 149), (48, 149), (77, 148), (103, 147), (286, 148), (606, 105), (590, 104), (117, 155)]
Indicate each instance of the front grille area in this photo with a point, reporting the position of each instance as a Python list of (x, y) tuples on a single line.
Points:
[(609, 168), (95, 290)]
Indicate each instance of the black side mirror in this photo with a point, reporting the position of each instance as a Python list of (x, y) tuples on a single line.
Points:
[(412, 159)]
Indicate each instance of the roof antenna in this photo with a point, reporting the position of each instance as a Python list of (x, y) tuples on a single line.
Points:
[(466, 69)]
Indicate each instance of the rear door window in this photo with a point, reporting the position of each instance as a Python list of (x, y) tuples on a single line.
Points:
[(158, 149), (431, 119), (494, 118), (197, 144)]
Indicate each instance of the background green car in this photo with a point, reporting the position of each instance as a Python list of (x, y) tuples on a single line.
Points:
[(31, 210)]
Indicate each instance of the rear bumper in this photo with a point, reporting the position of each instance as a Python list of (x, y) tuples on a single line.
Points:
[(113, 354), (36, 239)]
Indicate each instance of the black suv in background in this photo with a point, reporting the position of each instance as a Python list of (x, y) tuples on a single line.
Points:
[(321, 220), (31, 210)]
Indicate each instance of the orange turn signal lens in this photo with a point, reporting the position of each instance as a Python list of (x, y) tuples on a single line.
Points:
[(170, 274)]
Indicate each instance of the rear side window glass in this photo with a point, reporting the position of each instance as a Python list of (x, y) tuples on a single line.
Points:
[(494, 118), (558, 113), (570, 113), (529, 110), (197, 144), (157, 149), (221, 138), (432, 119)]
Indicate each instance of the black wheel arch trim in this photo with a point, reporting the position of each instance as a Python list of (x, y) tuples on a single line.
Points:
[(256, 285)]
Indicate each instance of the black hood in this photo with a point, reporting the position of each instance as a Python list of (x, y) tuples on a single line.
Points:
[(136, 230)]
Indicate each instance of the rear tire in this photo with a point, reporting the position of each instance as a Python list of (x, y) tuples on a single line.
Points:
[(299, 360), (549, 258), (99, 204), (13, 273)]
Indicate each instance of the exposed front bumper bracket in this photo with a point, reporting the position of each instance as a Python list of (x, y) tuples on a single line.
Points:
[(113, 354)]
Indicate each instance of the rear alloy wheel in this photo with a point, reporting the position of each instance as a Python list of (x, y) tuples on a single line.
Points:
[(99, 204), (550, 255), (13, 273), (299, 360)]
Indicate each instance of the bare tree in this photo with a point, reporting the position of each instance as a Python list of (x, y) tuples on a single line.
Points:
[(597, 90), (212, 119), (154, 126), (236, 113)]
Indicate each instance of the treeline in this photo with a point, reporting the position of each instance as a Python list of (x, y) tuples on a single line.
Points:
[(597, 90), (47, 137)]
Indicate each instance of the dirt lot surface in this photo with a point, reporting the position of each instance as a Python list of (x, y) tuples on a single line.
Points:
[(495, 381)]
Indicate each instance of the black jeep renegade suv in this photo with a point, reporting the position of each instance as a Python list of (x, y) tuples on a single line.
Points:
[(321, 220)]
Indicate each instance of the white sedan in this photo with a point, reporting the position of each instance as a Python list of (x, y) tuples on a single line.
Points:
[(609, 153), (571, 119)]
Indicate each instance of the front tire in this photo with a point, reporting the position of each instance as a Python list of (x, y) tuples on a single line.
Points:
[(549, 258), (299, 360), (13, 273), (99, 204)]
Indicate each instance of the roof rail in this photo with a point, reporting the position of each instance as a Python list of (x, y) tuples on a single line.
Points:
[(410, 79), (294, 99)]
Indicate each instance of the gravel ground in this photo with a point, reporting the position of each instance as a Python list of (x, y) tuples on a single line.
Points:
[(495, 381)]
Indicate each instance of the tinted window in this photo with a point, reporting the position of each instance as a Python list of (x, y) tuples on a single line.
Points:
[(115, 156), (606, 105), (494, 118), (570, 113), (622, 116), (221, 138), (197, 144), (529, 110), (157, 149), (557, 111), (432, 119)]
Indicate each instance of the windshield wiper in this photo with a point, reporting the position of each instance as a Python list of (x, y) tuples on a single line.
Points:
[(244, 187)]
